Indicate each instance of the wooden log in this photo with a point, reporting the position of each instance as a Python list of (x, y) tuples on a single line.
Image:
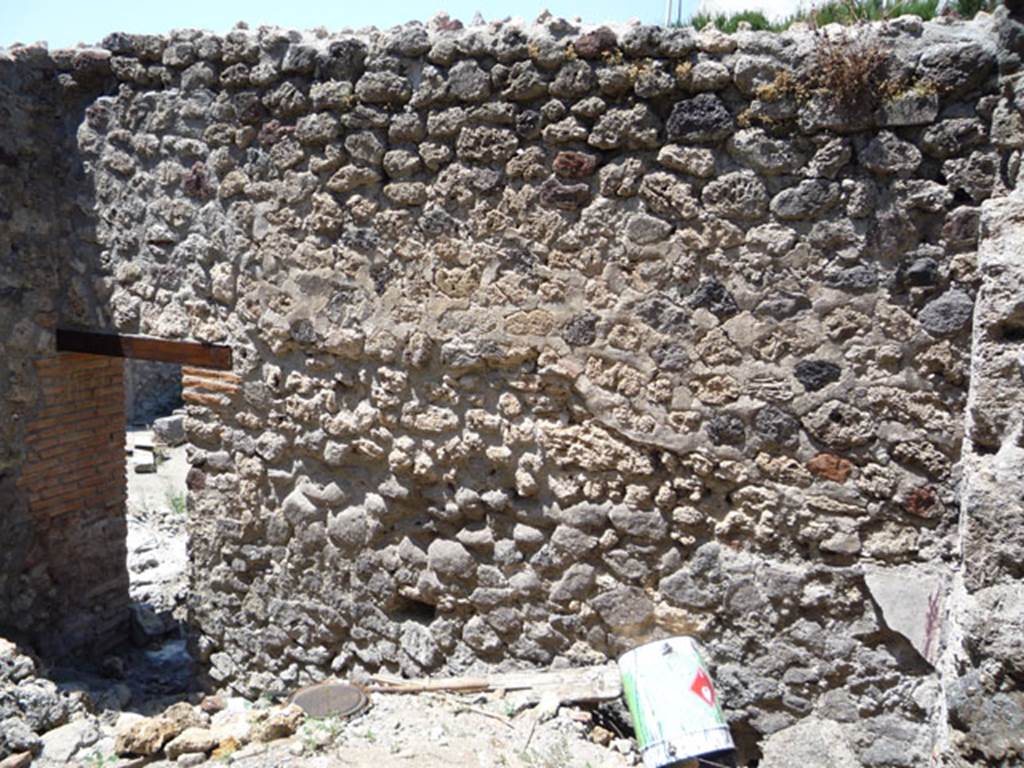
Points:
[(570, 686), (215, 356)]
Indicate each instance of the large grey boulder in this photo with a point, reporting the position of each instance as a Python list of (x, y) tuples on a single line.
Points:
[(170, 430), (811, 743), (948, 314), (61, 744)]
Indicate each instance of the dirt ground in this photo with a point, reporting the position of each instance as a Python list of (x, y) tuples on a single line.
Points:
[(424, 730), (442, 731), (157, 555)]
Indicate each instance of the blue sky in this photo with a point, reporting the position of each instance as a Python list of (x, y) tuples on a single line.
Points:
[(67, 22)]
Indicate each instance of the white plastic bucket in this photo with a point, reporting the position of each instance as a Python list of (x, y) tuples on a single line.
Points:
[(670, 695)]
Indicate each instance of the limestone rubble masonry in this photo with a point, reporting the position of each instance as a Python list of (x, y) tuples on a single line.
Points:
[(548, 340)]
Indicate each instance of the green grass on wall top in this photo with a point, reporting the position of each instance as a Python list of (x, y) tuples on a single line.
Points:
[(844, 12)]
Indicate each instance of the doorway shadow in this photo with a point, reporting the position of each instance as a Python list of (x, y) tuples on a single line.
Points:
[(146, 673)]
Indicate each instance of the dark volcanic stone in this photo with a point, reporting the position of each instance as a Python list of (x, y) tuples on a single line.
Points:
[(410, 41), (574, 80), (528, 124), (670, 356), (624, 607), (948, 314), (343, 60), (726, 429), (699, 583), (523, 82), (704, 118), (299, 60), (581, 329), (948, 138), (782, 305), (383, 88), (436, 221), (961, 226), (662, 315), (1011, 37), (713, 296), (519, 259), (922, 271), (775, 425), (859, 278), (593, 44), (468, 82), (566, 197), (815, 374), (642, 41), (119, 43)]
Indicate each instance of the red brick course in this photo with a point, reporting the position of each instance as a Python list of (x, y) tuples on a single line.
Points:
[(74, 480)]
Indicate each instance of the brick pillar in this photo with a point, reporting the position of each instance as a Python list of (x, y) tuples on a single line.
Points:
[(74, 481)]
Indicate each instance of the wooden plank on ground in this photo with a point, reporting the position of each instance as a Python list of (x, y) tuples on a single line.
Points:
[(215, 356), (570, 686)]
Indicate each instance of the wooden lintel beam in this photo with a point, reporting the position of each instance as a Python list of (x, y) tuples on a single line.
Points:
[(194, 353)]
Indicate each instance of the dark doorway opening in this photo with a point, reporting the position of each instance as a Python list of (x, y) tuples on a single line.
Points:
[(143, 663)]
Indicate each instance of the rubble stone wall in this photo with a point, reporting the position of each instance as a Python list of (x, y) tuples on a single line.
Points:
[(551, 340), (34, 243), (984, 665), (152, 389)]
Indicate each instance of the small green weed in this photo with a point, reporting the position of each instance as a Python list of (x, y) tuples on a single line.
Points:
[(729, 23), (968, 9), (101, 760), (159, 456), (177, 503), (320, 732), (847, 12)]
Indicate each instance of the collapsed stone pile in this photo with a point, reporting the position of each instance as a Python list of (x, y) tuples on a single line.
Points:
[(187, 734), (552, 339), (29, 703), (49, 731)]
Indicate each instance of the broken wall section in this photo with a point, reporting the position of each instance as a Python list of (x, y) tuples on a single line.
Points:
[(55, 566), (985, 666), (29, 297)]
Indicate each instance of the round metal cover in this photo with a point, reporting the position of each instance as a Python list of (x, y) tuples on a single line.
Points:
[(331, 699)]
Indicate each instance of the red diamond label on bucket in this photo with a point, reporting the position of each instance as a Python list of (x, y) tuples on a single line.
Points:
[(702, 686)]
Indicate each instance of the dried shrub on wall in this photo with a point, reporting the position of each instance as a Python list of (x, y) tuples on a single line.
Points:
[(852, 68)]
